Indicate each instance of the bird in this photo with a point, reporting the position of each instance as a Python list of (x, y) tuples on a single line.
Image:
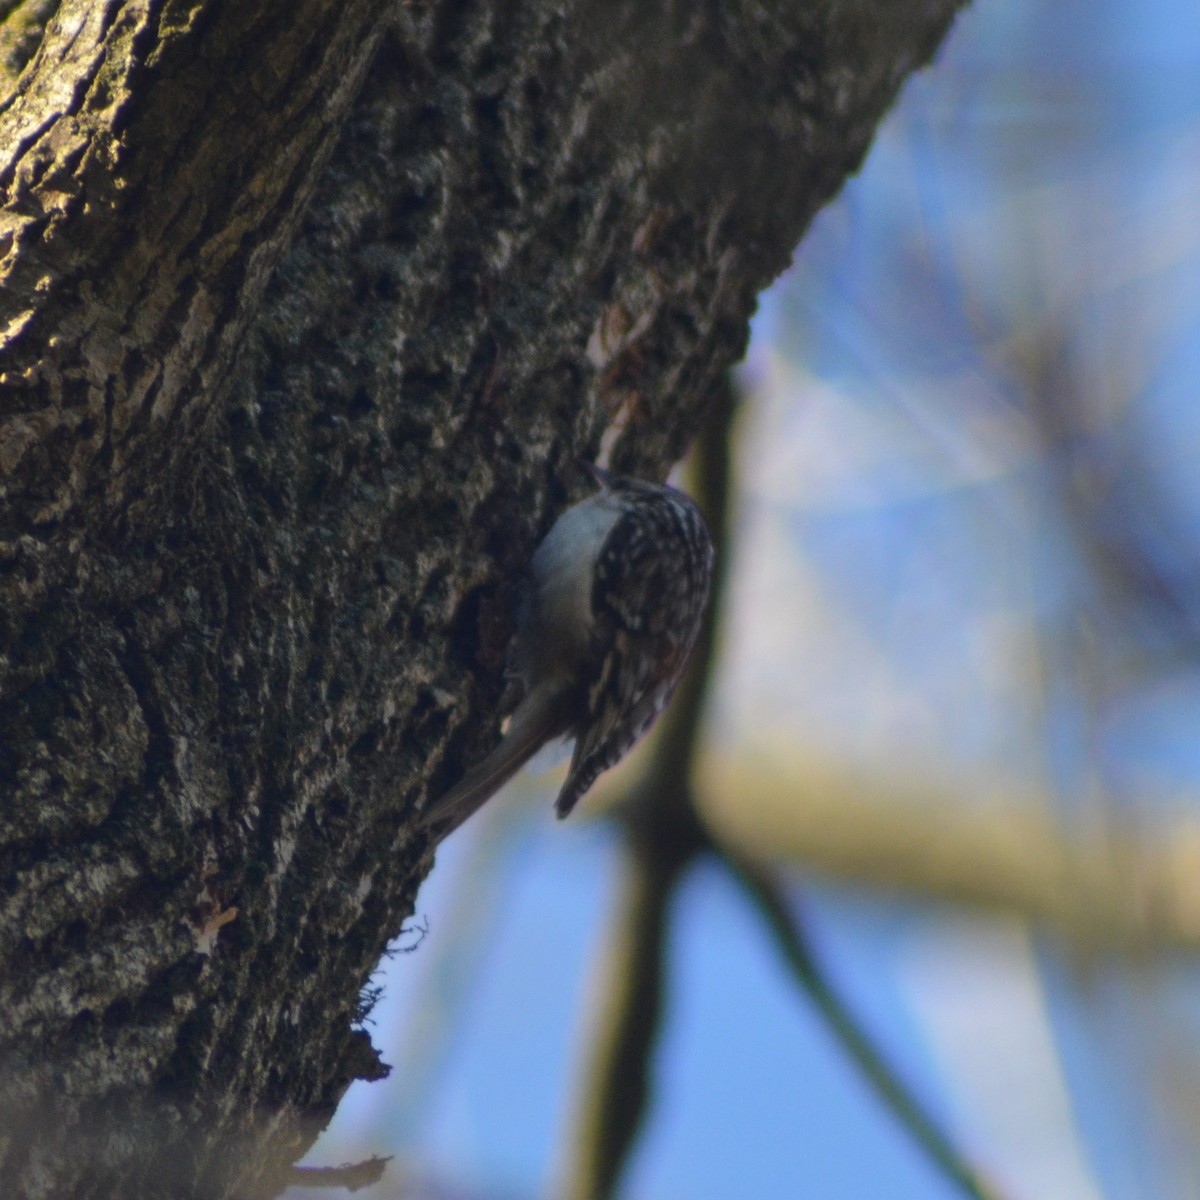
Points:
[(614, 603)]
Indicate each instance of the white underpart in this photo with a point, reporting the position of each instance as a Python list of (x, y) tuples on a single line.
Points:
[(564, 570)]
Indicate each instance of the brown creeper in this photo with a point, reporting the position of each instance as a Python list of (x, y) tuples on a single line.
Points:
[(617, 593)]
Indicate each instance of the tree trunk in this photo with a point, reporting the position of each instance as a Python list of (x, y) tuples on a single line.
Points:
[(308, 311)]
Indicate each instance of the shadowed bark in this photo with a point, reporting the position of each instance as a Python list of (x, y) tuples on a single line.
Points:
[(307, 312)]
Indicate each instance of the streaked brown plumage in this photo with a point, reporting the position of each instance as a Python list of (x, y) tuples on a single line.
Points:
[(618, 589)]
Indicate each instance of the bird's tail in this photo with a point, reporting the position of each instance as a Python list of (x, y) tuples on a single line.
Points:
[(538, 718)]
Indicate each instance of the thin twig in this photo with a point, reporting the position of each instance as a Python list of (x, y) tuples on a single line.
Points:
[(771, 904), (351, 1176)]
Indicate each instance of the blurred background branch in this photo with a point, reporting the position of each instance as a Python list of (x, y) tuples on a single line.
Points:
[(1103, 888), (662, 837)]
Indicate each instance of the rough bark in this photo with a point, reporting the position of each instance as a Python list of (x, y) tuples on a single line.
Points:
[(308, 310)]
